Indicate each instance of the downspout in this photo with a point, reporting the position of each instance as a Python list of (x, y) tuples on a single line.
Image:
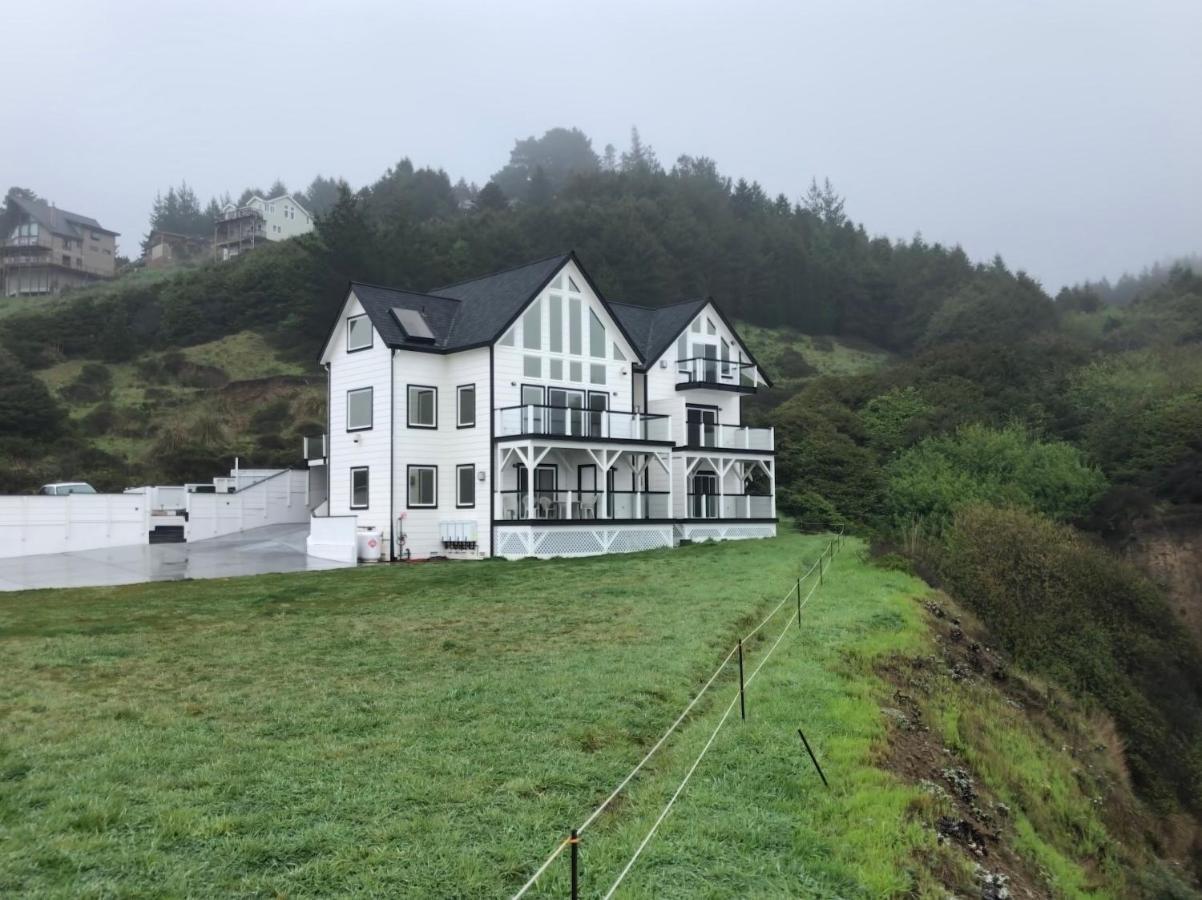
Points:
[(492, 454), (392, 548)]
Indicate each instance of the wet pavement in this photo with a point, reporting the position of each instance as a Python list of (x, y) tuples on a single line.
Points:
[(273, 548)]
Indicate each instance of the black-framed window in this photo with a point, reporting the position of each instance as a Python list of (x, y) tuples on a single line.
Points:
[(358, 333), (359, 409), (465, 406), (359, 487), (465, 485), (423, 406), (423, 486)]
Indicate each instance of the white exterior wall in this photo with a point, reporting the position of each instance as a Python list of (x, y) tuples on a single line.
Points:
[(348, 371), (510, 360), (662, 396), (43, 524), (269, 501), (446, 447)]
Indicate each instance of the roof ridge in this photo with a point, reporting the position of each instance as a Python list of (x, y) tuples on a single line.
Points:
[(397, 290), (661, 306), (533, 262)]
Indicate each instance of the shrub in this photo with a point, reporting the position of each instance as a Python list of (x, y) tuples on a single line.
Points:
[(791, 364), (1068, 609), (895, 419), (26, 407), (93, 384), (271, 417), (1007, 466)]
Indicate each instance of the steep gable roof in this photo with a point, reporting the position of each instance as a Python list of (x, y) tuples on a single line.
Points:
[(489, 304), (656, 327), (379, 302), (58, 221)]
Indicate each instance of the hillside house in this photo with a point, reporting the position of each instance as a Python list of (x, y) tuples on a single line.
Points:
[(524, 414), (241, 228), (46, 250), (165, 249)]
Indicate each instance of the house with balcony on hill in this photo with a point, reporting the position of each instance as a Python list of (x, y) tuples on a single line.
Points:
[(46, 250), (243, 227), (525, 414)]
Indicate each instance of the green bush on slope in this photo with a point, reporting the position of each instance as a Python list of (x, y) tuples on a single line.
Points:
[(1072, 611), (1007, 466)]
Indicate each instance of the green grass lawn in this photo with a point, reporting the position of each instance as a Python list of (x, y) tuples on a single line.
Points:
[(434, 730)]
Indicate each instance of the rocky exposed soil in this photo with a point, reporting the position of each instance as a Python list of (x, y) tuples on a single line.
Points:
[(980, 826)]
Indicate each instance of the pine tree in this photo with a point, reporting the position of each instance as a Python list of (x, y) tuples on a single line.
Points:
[(492, 198)]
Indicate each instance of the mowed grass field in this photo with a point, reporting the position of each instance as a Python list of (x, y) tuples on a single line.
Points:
[(434, 730)]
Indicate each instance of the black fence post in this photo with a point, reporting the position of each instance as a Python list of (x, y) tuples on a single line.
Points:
[(742, 704), (813, 758), (575, 842), (798, 602)]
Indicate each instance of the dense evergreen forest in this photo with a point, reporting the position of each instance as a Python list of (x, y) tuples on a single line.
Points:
[(1012, 438)]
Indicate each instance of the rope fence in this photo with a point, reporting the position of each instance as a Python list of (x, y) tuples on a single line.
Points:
[(573, 839)]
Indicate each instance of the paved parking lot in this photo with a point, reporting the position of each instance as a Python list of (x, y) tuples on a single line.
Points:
[(273, 548)]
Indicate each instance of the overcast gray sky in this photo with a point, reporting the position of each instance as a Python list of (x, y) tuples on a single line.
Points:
[(1066, 136)]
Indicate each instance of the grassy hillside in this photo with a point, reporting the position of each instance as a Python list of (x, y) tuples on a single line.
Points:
[(182, 415), (433, 730)]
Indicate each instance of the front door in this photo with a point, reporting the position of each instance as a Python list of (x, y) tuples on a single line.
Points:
[(703, 498), (702, 423)]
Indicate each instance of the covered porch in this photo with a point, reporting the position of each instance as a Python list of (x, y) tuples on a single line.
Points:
[(725, 486), (558, 482)]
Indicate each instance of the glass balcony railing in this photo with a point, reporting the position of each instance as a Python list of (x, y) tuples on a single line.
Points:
[(575, 422), (730, 506), (729, 437)]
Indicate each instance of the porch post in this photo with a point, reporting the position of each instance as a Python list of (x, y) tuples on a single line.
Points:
[(530, 481), (638, 488), (722, 470), (770, 465), (603, 475)]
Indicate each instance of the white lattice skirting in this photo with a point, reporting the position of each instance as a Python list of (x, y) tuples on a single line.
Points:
[(724, 532), (514, 542)]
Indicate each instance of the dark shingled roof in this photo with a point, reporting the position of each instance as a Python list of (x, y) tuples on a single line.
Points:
[(476, 312), (58, 221), (378, 302), (467, 314), (653, 329)]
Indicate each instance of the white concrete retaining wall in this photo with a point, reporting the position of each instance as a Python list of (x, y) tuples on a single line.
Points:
[(332, 537), (272, 501), (41, 524)]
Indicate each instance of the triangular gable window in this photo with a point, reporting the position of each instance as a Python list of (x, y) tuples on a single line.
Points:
[(572, 285), (618, 354)]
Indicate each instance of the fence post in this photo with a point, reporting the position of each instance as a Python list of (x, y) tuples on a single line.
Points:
[(798, 602), (813, 758), (742, 706), (575, 842)]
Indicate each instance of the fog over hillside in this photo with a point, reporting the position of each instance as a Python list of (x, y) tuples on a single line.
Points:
[(1058, 135)]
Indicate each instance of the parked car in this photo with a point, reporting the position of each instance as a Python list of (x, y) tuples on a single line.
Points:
[(62, 488)]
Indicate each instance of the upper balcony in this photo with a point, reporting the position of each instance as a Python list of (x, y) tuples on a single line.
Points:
[(242, 212), (703, 435), (27, 243), (707, 373), (576, 423), (316, 449)]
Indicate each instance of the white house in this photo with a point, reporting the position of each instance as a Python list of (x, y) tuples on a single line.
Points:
[(523, 414), (240, 228)]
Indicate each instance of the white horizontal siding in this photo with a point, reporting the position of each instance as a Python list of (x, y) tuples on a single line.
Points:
[(347, 450)]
